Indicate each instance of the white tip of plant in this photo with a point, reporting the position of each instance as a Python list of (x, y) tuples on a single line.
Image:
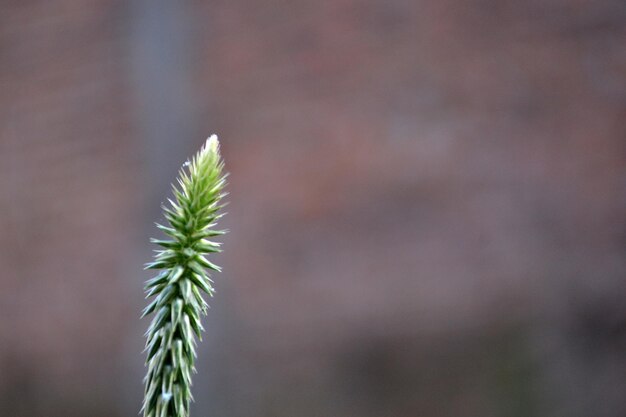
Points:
[(212, 144)]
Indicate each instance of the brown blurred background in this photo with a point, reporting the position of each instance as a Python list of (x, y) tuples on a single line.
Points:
[(427, 203)]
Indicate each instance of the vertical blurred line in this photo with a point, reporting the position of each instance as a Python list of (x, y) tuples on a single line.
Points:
[(161, 61)]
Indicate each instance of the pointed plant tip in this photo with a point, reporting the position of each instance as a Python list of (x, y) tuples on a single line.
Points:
[(212, 144)]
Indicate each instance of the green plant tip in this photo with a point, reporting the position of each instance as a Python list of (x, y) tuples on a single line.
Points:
[(177, 303)]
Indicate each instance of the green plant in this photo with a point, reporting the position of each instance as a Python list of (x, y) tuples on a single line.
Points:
[(178, 304)]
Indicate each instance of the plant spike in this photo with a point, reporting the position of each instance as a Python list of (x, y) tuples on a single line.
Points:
[(177, 302)]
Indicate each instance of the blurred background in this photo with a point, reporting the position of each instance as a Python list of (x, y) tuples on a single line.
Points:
[(427, 203)]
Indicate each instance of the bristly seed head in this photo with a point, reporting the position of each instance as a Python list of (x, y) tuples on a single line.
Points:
[(176, 291)]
